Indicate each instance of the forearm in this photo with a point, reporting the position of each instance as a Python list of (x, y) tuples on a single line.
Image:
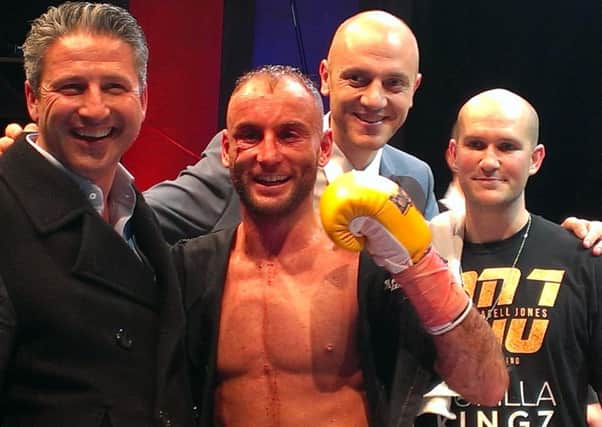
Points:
[(188, 206), (469, 356), (470, 360), (398, 239), (196, 200)]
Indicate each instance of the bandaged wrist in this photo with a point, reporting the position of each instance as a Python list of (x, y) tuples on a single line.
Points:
[(441, 304)]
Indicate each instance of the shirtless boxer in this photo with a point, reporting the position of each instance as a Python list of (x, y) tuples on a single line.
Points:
[(286, 329)]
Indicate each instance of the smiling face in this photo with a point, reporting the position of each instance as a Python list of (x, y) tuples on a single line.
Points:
[(370, 75), (90, 105), (273, 145), (496, 150)]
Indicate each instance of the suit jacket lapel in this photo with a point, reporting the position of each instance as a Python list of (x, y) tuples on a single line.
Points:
[(408, 183), (385, 167)]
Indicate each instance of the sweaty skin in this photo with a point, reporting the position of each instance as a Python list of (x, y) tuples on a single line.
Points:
[(287, 344), (287, 350)]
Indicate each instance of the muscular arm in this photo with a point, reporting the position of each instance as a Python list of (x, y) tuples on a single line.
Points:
[(469, 356), (199, 200), (469, 359)]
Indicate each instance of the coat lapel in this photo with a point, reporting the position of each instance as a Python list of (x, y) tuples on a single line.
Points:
[(105, 258), (59, 211), (150, 242), (172, 368), (62, 217), (412, 187)]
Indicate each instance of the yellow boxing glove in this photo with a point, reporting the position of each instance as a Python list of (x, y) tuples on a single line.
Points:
[(352, 201), (359, 210)]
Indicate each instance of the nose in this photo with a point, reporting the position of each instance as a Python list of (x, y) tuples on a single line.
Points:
[(94, 107), (490, 161), (268, 150), (374, 96)]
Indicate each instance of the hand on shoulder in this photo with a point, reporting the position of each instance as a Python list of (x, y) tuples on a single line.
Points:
[(588, 231), (12, 132)]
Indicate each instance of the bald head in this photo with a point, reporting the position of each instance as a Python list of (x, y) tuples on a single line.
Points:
[(499, 107), (493, 152), (374, 28), (370, 77)]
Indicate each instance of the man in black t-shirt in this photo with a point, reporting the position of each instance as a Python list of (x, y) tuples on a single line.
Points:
[(537, 286)]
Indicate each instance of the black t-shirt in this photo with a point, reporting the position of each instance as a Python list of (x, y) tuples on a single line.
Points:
[(548, 319)]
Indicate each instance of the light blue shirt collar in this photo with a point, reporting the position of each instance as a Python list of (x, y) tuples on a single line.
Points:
[(122, 198)]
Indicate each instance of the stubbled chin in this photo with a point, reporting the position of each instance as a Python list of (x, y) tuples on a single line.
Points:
[(371, 142), (489, 197)]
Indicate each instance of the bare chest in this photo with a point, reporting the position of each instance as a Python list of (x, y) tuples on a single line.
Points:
[(292, 318)]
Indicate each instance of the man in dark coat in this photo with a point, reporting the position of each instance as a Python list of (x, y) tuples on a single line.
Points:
[(91, 317)]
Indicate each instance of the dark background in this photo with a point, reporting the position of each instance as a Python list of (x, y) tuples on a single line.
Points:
[(550, 52)]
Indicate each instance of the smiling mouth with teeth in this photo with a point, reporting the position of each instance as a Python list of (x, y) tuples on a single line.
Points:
[(370, 120), (271, 180), (92, 134)]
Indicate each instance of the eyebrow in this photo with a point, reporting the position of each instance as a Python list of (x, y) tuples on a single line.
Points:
[(294, 123), (360, 70), (297, 125), (245, 126), (470, 137)]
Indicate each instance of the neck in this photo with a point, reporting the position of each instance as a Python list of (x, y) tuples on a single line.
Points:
[(359, 157), (264, 237), (489, 225)]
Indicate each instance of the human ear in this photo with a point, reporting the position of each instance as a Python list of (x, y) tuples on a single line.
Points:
[(537, 156)]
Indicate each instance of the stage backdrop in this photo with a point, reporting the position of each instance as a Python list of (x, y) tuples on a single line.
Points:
[(547, 51), (185, 39), (198, 49)]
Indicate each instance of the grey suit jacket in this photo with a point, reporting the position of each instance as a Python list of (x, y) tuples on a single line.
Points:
[(89, 334), (201, 199)]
